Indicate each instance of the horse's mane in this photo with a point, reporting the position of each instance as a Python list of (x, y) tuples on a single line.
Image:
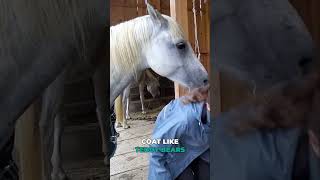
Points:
[(128, 39)]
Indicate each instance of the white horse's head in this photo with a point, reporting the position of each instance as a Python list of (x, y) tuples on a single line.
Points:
[(169, 54)]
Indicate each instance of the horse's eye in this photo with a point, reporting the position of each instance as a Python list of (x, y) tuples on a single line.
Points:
[(181, 45)]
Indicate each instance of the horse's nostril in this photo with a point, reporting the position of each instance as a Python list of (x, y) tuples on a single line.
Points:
[(205, 81)]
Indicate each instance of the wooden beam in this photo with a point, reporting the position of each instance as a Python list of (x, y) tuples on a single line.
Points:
[(214, 76), (179, 11), (27, 145)]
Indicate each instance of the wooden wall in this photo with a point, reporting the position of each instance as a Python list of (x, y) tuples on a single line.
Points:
[(203, 25), (123, 10)]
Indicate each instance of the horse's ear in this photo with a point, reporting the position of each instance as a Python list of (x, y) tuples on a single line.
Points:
[(155, 15)]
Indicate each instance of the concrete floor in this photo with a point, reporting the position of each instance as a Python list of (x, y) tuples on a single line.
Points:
[(126, 163)]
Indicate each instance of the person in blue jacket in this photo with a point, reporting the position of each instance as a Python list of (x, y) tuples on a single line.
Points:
[(189, 123)]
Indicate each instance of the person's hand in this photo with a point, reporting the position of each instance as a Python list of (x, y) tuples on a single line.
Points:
[(196, 95)]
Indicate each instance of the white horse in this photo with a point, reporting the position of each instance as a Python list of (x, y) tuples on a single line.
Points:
[(153, 41)]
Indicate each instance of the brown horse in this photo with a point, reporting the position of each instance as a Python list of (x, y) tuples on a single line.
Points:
[(145, 79)]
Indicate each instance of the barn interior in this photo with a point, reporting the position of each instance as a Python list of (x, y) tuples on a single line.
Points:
[(126, 163)]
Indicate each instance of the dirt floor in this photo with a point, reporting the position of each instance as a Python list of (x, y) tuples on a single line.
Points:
[(126, 163)]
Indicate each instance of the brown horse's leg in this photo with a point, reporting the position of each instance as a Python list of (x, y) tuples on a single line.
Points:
[(141, 83), (141, 92)]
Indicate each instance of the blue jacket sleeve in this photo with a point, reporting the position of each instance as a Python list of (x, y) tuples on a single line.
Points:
[(158, 169)]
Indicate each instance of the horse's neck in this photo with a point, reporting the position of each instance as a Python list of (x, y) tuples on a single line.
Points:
[(127, 61)]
